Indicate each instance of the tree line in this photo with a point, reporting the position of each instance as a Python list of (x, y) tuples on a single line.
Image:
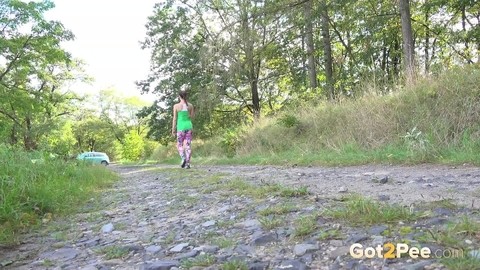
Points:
[(241, 59), (38, 111)]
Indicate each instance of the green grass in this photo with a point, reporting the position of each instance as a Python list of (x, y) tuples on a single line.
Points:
[(454, 234), (269, 223), (461, 263), (31, 191), (113, 252), (359, 210), (234, 265), (203, 260), (330, 234), (305, 225), (222, 241), (279, 209)]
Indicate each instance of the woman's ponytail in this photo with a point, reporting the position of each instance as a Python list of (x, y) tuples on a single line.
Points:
[(183, 95)]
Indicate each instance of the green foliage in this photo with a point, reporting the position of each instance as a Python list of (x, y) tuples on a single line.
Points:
[(364, 211), (202, 260), (288, 120), (33, 69), (229, 141), (113, 252), (305, 225), (133, 146), (36, 185), (234, 265)]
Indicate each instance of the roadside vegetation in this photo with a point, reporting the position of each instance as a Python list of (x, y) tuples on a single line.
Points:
[(435, 120), (36, 187)]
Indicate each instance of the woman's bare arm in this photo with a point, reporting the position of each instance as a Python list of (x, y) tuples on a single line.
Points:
[(174, 120), (191, 111)]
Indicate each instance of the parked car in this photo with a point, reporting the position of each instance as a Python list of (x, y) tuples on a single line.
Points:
[(95, 157)]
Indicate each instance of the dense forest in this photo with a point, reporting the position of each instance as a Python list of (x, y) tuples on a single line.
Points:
[(240, 61)]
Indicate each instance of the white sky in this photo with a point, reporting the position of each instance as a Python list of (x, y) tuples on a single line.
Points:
[(107, 38)]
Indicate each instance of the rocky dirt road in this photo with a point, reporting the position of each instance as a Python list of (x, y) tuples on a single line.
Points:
[(252, 217)]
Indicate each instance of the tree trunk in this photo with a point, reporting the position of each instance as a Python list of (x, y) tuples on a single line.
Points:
[(327, 50), (28, 141), (427, 40), (407, 36), (13, 136), (312, 71), (250, 64)]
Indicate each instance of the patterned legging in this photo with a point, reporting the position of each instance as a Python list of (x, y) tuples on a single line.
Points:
[(184, 136)]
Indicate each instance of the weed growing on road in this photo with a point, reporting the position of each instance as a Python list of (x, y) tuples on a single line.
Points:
[(202, 261), (113, 252), (222, 242), (359, 210), (305, 225), (278, 209), (234, 265), (330, 234), (461, 263), (294, 192), (454, 234), (269, 223)]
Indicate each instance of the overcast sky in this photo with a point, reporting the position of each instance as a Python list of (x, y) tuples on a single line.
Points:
[(107, 35)]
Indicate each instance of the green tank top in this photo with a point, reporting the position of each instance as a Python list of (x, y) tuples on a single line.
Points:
[(183, 119)]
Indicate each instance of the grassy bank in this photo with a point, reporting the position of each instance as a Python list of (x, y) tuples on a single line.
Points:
[(34, 188), (435, 120)]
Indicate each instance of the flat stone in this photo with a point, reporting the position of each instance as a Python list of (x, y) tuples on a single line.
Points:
[(89, 267), (443, 211), (418, 266), (383, 198), (5, 263), (357, 238), (224, 209), (107, 228), (244, 249), (153, 249), (134, 248), (207, 249), (113, 262), (63, 254), (338, 252), (300, 249), (377, 230), (291, 264), (209, 223), (92, 243), (265, 239), (435, 221), (160, 265), (251, 223), (190, 254), (377, 240), (336, 243), (307, 258), (258, 266), (179, 247)]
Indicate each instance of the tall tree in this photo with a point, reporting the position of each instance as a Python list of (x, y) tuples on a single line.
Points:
[(33, 67), (312, 69), (407, 36), (327, 49)]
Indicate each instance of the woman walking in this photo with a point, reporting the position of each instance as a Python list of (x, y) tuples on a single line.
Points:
[(183, 113)]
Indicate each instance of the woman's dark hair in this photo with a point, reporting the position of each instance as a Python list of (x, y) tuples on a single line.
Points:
[(183, 95)]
